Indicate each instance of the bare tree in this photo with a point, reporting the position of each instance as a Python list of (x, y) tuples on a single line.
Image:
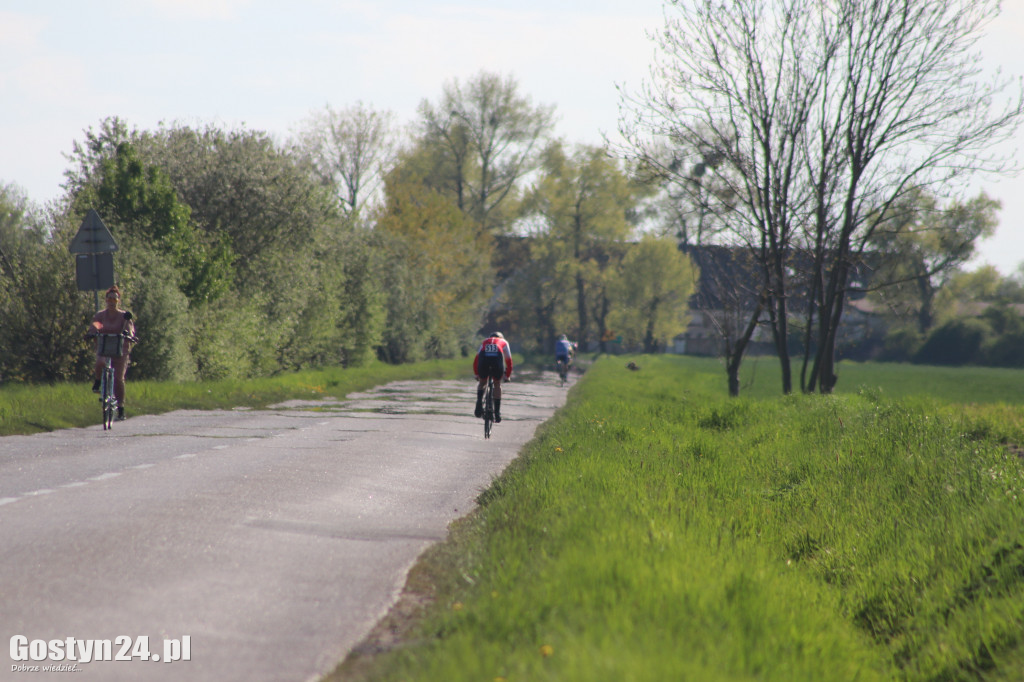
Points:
[(486, 136), (733, 94), (821, 115), (904, 108), (351, 149)]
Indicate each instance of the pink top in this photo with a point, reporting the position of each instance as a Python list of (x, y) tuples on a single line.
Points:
[(107, 322)]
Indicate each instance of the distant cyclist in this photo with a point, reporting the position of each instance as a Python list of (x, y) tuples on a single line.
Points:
[(113, 320), (565, 351), (494, 359)]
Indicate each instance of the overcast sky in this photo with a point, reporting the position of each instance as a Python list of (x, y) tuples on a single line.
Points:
[(65, 65)]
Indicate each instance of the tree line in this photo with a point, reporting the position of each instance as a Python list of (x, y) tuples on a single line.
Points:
[(829, 144), (241, 255)]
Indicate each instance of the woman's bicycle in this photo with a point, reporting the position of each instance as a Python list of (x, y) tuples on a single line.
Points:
[(488, 407), (108, 401), (113, 344)]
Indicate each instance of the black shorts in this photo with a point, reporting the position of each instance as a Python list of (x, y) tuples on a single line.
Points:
[(491, 366)]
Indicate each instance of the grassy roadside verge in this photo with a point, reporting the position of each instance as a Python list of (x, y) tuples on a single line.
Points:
[(657, 530), (32, 409)]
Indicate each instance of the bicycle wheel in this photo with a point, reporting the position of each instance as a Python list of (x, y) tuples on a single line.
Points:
[(562, 371), (488, 408), (107, 398)]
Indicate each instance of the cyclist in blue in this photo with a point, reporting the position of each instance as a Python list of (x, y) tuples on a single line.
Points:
[(565, 351)]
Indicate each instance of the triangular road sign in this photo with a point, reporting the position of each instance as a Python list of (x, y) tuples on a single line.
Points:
[(93, 236)]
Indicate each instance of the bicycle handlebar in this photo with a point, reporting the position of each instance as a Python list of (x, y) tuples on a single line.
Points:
[(89, 336)]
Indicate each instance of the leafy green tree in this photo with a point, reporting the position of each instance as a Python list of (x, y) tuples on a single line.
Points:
[(362, 296), (45, 319), (42, 315), (22, 230), (582, 205), (303, 290), (292, 239), (139, 205), (438, 280), (342, 319), (652, 291), (163, 320), (924, 247), (241, 184), (966, 288), (538, 295), (88, 155)]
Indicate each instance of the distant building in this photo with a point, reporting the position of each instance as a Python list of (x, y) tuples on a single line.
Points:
[(727, 290)]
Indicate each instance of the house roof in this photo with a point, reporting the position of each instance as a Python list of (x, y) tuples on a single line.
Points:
[(731, 276)]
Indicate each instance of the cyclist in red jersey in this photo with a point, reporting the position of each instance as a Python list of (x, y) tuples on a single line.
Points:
[(494, 359)]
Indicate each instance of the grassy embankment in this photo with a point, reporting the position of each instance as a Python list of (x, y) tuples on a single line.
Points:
[(657, 530), (31, 409)]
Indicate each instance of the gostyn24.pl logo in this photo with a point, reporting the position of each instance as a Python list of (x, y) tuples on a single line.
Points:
[(71, 651)]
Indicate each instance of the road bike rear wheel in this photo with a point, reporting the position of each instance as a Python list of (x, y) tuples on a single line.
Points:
[(563, 371), (488, 408)]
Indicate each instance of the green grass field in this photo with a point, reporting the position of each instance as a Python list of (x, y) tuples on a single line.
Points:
[(657, 530)]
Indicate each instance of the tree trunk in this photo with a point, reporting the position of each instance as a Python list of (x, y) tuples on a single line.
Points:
[(780, 329), (734, 355), (581, 307), (601, 321), (925, 315)]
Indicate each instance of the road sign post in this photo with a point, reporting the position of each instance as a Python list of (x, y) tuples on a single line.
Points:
[(93, 247)]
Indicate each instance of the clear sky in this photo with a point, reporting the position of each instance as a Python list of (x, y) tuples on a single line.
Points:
[(65, 65)]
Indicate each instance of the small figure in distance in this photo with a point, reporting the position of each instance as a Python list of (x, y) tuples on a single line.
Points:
[(113, 320), (633, 366), (494, 359), (565, 351)]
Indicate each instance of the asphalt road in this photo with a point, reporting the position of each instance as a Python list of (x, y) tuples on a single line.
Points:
[(258, 545)]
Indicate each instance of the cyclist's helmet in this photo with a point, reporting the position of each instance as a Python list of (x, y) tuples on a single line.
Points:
[(498, 334)]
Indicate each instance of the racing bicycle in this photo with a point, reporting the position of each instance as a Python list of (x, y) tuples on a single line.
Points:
[(488, 407)]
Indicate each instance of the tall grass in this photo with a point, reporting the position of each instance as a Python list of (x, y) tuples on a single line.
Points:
[(656, 530)]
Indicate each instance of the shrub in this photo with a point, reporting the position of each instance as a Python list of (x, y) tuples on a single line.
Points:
[(957, 342), (901, 344), (1006, 350)]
